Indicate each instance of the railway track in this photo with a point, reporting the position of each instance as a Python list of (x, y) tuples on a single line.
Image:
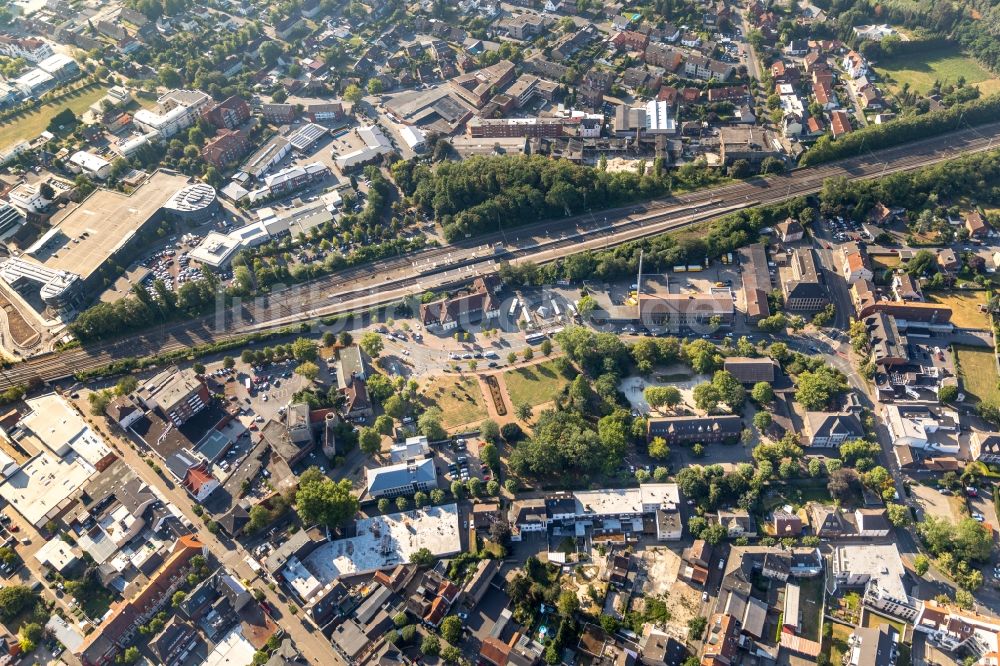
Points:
[(358, 288)]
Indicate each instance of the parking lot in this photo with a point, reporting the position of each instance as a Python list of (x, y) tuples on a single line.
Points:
[(460, 462)]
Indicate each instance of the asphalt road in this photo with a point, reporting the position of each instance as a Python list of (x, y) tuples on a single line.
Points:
[(386, 281)]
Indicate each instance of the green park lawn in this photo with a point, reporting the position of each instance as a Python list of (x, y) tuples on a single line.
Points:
[(978, 372), (458, 397), (946, 65), (31, 124), (837, 643), (535, 384)]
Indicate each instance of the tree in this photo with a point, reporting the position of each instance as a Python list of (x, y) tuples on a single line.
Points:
[(489, 431), (169, 77), (511, 433), (899, 515), (400, 619), (14, 599), (430, 646), (308, 370), (696, 627), (394, 406), (451, 654), (702, 356), (586, 305), (29, 635), (451, 629), (352, 93), (371, 343), (843, 484), (948, 393), (178, 598), (269, 52), (402, 503), (660, 396), (319, 499), (126, 385), (384, 425), (476, 486), (921, 564), (546, 347), (815, 389), (369, 440), (384, 506), (762, 393), (489, 454), (429, 425), (714, 533), (375, 86), (658, 449), (99, 401), (130, 655), (422, 557), (523, 411), (706, 397), (228, 362), (528, 353), (304, 349), (437, 496), (568, 604), (762, 421)]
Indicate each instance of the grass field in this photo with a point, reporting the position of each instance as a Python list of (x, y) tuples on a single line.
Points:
[(873, 620), (837, 643), (978, 372), (946, 65), (458, 398), (30, 125), (535, 384), (885, 261), (811, 606), (964, 308)]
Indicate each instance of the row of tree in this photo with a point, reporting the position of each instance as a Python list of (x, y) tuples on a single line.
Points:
[(486, 194), (903, 130)]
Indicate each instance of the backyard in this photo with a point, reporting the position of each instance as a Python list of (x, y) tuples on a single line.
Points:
[(946, 65), (836, 644), (536, 384), (459, 399), (977, 369), (964, 306), (873, 620), (31, 124), (811, 607)]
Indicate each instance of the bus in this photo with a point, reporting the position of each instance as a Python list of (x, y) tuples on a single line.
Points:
[(513, 308), (248, 384)]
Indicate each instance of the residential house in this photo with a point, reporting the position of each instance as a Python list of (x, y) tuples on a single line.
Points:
[(840, 123), (854, 65), (855, 265), (786, 523), (750, 371), (827, 521), (804, 290), (790, 231), (695, 429), (737, 522), (976, 224), (872, 522), (831, 429)]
